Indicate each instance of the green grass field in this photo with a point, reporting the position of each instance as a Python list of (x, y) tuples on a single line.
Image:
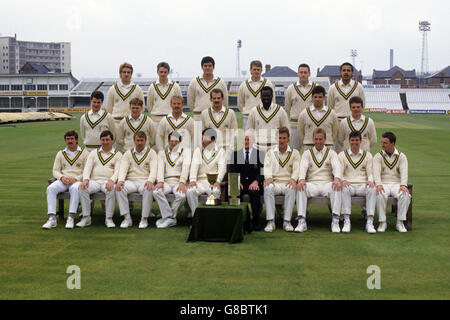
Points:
[(160, 264)]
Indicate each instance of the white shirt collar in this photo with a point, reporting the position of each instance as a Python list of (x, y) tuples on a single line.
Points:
[(183, 115), (100, 112), (221, 110), (324, 108), (249, 151), (68, 151), (159, 83), (307, 85), (211, 147), (277, 149), (110, 151), (350, 84), (321, 151), (140, 153), (363, 118), (395, 152), (125, 86), (349, 151), (261, 79), (138, 119)]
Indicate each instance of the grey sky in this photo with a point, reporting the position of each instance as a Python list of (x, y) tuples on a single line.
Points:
[(283, 32)]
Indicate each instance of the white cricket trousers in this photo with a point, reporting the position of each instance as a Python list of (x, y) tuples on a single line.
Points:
[(358, 190), (135, 186), (164, 207), (276, 189), (203, 187), (96, 186), (314, 189), (57, 187), (403, 201)]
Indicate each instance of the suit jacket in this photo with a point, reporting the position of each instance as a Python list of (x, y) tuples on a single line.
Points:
[(248, 172)]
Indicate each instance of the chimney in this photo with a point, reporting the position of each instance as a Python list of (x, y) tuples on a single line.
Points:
[(391, 58), (268, 67)]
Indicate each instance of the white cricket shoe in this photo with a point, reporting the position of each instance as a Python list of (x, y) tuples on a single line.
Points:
[(370, 228), (109, 223), (301, 227), (287, 226), (168, 222), (127, 222), (382, 227), (143, 224), (400, 227), (270, 227), (69, 223), (335, 226), (347, 226), (51, 223), (85, 221)]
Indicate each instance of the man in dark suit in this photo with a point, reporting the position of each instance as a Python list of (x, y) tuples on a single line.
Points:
[(249, 162)]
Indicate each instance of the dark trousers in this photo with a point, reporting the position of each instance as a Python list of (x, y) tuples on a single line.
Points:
[(255, 201)]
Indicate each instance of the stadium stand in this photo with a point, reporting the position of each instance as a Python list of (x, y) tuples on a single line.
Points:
[(428, 99), (383, 98)]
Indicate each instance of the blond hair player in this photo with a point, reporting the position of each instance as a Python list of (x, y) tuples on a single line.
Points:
[(281, 168)]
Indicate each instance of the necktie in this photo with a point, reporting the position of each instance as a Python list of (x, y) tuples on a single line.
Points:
[(246, 157)]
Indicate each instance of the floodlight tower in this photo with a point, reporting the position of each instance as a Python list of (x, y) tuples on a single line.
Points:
[(238, 60), (424, 27), (353, 54)]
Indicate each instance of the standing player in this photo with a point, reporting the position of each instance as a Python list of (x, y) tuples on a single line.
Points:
[(222, 119), (160, 93), (100, 174), (298, 98), (317, 116), (340, 92), (199, 88), (249, 95), (177, 120), (94, 122), (136, 121), (357, 122), (68, 171), (121, 93), (390, 171), (265, 121)]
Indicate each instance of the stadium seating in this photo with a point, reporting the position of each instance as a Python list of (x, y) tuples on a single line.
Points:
[(383, 99), (428, 99)]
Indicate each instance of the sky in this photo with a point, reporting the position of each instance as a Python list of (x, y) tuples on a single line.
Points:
[(103, 34)]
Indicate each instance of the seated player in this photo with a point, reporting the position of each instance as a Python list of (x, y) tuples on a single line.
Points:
[(100, 174), (136, 121), (209, 159), (320, 175), (390, 172), (173, 172), (137, 173), (357, 179), (281, 168), (68, 170)]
